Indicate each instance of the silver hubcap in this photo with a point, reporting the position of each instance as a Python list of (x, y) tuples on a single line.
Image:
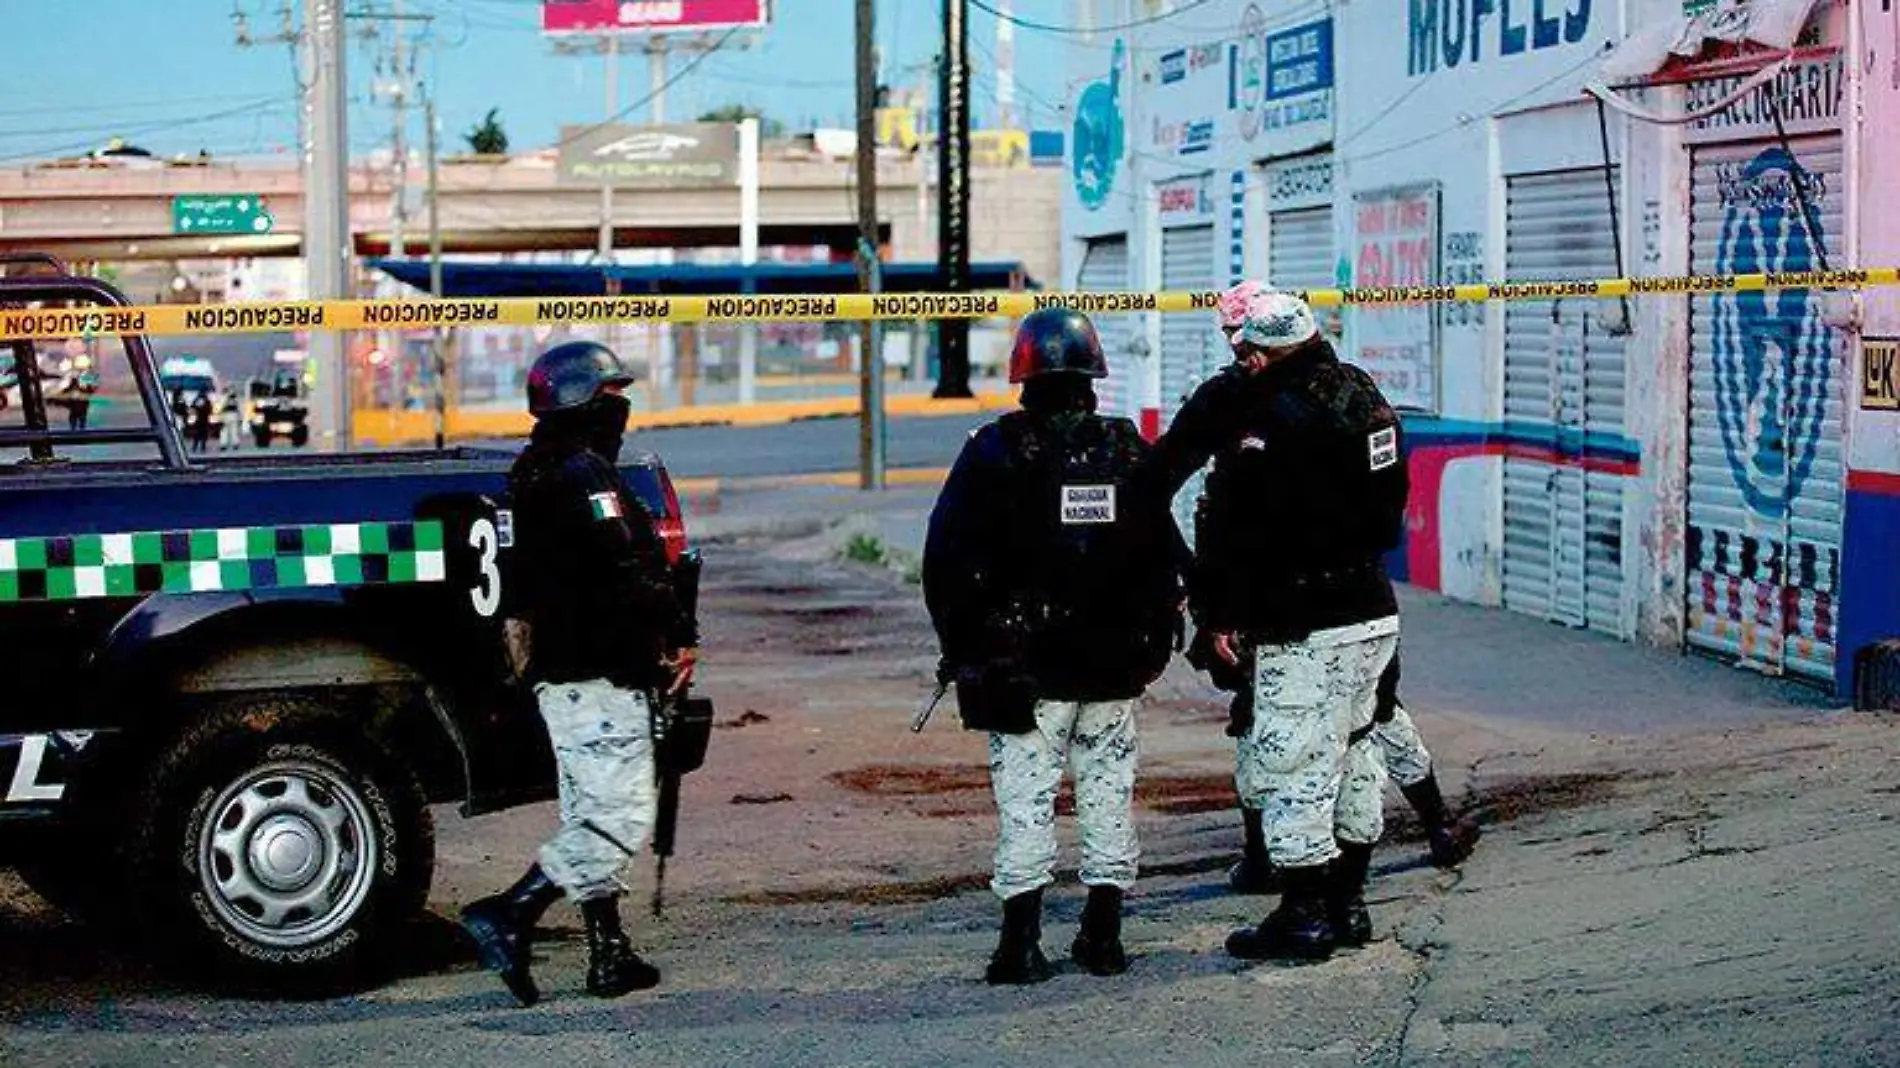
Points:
[(286, 857)]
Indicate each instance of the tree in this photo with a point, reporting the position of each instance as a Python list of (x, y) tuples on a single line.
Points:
[(768, 128), (488, 139)]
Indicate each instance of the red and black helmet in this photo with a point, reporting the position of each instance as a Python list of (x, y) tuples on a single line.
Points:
[(1056, 341)]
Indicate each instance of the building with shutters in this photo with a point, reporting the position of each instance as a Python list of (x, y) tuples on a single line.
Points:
[(1696, 472)]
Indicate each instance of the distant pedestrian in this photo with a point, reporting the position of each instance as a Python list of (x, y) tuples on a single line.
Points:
[(201, 421), (80, 384), (230, 421)]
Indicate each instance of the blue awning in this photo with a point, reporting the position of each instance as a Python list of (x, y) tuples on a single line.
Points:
[(582, 280)]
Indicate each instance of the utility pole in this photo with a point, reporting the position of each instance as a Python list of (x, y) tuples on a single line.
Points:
[(919, 369), (659, 335), (953, 196), (871, 362), (326, 231), (398, 89), (435, 274), (398, 206), (288, 35), (606, 246)]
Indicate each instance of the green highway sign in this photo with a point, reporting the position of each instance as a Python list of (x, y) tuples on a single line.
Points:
[(220, 213)]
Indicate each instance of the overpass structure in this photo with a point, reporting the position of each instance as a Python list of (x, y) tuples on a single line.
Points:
[(120, 212)]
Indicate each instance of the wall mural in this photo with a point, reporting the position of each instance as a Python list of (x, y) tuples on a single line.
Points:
[(1099, 133), (1771, 427)]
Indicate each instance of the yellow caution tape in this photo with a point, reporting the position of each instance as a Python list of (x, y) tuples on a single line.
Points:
[(264, 317)]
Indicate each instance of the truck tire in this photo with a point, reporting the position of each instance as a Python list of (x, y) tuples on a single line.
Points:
[(262, 437), (300, 436), (279, 847)]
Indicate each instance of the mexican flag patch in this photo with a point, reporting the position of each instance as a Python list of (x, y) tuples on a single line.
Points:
[(606, 506)]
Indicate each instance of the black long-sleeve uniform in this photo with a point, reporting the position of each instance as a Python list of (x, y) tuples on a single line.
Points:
[(594, 581), (1307, 492), (1021, 533)]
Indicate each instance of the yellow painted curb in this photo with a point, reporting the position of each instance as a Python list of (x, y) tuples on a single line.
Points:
[(388, 427)]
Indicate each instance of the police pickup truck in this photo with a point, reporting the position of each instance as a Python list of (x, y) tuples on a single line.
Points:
[(230, 691)]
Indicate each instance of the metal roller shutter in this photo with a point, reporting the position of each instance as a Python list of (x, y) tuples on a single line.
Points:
[(1105, 268), (1188, 342), (1766, 477), (1564, 382), (1300, 249)]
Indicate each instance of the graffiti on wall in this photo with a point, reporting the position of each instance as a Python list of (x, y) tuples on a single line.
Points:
[(1098, 134), (1773, 354)]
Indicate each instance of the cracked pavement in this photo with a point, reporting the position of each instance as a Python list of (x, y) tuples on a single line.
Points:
[(1682, 865)]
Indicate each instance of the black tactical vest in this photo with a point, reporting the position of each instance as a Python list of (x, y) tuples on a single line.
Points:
[(1307, 492), (1091, 564)]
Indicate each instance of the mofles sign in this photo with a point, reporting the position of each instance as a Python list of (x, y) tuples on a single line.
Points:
[(1451, 32)]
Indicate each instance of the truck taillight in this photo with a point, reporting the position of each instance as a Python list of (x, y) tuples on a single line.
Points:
[(672, 526)]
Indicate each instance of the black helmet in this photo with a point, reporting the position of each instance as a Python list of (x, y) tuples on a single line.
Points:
[(1056, 341), (570, 375)]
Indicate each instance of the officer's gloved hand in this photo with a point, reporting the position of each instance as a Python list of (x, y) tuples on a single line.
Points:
[(1240, 713), (680, 664)]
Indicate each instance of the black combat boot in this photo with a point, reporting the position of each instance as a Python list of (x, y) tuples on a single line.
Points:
[(1296, 931), (1018, 958), (1453, 837), (1254, 874), (1098, 944), (613, 968), (1346, 904), (503, 928)]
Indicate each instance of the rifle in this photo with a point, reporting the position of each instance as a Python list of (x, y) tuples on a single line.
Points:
[(930, 704), (682, 727)]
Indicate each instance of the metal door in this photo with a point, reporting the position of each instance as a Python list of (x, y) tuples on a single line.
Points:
[(1190, 343), (1105, 268), (1564, 379), (1300, 249), (1765, 481)]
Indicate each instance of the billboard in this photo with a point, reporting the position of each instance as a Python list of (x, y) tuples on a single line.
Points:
[(650, 16), (652, 157)]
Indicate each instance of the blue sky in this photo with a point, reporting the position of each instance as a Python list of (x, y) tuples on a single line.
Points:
[(168, 77)]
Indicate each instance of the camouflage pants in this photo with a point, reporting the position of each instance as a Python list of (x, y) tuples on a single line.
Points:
[(603, 746), (1096, 739), (1294, 764), (1406, 758)]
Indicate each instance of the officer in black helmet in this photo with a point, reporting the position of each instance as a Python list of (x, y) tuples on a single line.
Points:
[(1054, 583), (603, 628)]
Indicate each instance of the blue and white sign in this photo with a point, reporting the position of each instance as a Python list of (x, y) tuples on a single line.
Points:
[(1173, 66), (1300, 60), (1280, 84)]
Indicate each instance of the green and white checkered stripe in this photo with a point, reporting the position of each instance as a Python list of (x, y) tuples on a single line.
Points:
[(85, 566)]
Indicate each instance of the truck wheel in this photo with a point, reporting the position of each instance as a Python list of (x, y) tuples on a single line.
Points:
[(262, 437), (279, 847), (300, 436)]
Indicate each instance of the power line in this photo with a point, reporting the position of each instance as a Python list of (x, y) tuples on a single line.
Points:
[(42, 153), (1031, 24), (1469, 119), (129, 105), (120, 128), (672, 80)]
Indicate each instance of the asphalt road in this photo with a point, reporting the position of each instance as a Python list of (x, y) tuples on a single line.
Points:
[(808, 447)]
